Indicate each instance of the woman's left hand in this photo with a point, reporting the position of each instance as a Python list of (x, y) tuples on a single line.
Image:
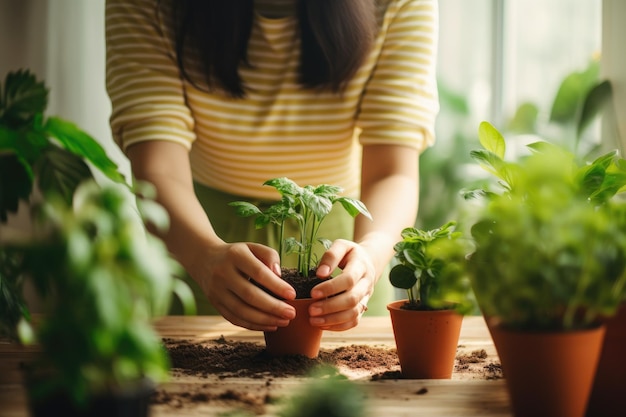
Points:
[(343, 299)]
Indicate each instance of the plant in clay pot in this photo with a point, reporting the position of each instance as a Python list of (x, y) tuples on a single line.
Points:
[(37, 154), (549, 263), (102, 279), (430, 267), (308, 206)]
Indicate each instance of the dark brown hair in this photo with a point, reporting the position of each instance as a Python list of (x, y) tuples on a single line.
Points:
[(335, 35)]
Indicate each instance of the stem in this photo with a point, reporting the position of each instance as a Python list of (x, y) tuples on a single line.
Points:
[(302, 264), (280, 241)]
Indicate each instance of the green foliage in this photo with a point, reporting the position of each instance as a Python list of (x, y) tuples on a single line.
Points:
[(579, 99), (52, 151), (550, 240), (431, 268), (102, 279), (308, 206), (326, 394)]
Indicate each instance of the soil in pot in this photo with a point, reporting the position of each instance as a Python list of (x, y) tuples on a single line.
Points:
[(426, 340), (548, 373)]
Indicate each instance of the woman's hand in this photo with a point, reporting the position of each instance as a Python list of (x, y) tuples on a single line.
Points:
[(225, 273), (343, 299)]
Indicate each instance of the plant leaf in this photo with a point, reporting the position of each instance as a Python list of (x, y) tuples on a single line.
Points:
[(354, 207), (594, 102), (402, 277), (61, 171), (80, 143), (245, 209), (17, 188), (491, 139), (22, 99), (284, 186), (319, 205)]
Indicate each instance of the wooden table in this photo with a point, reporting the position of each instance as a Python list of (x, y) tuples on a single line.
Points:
[(459, 396)]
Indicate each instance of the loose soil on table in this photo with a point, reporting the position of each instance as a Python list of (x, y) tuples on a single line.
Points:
[(225, 359)]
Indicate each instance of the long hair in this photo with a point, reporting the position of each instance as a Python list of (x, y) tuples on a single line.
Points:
[(336, 37)]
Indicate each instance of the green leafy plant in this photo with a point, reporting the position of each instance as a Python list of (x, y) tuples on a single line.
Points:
[(102, 279), (51, 154), (327, 393), (50, 151), (431, 268), (550, 241), (580, 98), (307, 206)]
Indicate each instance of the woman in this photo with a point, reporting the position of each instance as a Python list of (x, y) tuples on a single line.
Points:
[(212, 98)]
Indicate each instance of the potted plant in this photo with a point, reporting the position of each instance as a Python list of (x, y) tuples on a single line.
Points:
[(102, 279), (549, 263), (307, 206), (426, 325), (47, 154)]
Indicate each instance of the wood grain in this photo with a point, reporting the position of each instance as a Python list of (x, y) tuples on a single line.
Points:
[(459, 396)]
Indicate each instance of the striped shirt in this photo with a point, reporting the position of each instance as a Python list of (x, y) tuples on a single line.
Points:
[(278, 129)]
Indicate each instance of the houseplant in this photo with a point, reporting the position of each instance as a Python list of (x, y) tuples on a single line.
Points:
[(426, 325), (307, 206), (102, 279), (37, 153), (549, 262)]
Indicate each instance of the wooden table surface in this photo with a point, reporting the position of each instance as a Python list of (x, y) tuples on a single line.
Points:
[(463, 395)]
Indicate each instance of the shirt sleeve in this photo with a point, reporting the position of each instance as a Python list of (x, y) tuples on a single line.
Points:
[(142, 77), (400, 101)]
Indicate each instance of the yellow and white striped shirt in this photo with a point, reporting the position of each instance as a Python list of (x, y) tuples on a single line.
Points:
[(279, 128)]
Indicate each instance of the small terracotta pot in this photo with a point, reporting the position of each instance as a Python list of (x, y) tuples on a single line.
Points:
[(426, 341), (548, 373), (299, 337), (609, 390)]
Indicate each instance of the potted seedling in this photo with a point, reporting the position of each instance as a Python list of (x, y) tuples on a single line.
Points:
[(427, 324), (37, 153), (549, 263), (307, 206), (102, 279)]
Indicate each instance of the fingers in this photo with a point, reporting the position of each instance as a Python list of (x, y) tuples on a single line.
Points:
[(266, 270), (227, 285), (240, 313), (343, 299)]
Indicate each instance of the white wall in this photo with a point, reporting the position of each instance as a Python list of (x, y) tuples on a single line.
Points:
[(614, 66), (62, 42)]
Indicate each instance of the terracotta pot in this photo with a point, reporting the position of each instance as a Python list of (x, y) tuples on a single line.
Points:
[(299, 337), (548, 374), (426, 341), (609, 390)]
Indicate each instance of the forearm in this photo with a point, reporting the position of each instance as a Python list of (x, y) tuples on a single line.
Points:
[(190, 232), (390, 191)]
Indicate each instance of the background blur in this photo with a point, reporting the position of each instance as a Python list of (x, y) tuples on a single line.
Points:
[(495, 55)]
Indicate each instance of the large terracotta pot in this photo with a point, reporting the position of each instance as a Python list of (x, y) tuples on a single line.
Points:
[(426, 341), (299, 337), (548, 374), (608, 397)]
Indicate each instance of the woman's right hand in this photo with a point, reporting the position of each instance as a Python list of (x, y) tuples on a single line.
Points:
[(225, 272)]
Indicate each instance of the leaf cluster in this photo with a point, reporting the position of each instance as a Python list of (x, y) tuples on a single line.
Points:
[(102, 278), (551, 244), (308, 206), (327, 393), (431, 268), (50, 150)]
